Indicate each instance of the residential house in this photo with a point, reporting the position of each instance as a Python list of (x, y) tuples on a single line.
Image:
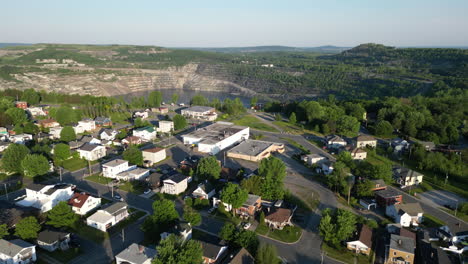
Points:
[(363, 243), (378, 185), (102, 121), (213, 248), (92, 152), (181, 229), (200, 112), (132, 140), (250, 206), (154, 155), (255, 150), (109, 216), (366, 141), (83, 203), (154, 180), (36, 111), (4, 145), (175, 184), (358, 154), (133, 174), (406, 177), (17, 251), (387, 197), (4, 135), (21, 104), (241, 257), (311, 159), (399, 145), (45, 197), (54, 132), (85, 125), (120, 169), (400, 250), (39, 137), (278, 217), (409, 214), (52, 240), (21, 138), (136, 254), (204, 190), (145, 133), (161, 110), (47, 123), (140, 114), (326, 167), (165, 126), (108, 134), (336, 142)]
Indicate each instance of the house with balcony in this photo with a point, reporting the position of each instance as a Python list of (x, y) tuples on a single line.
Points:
[(45, 197), (109, 216), (83, 203), (17, 251), (250, 207)]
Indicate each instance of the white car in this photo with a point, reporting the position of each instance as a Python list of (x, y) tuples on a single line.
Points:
[(247, 225)]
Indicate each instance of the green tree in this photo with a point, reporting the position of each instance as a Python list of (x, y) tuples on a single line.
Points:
[(199, 100), (65, 115), (12, 157), (208, 168), (62, 151), (292, 118), (267, 254), (27, 228), (355, 109), (383, 128), (278, 117), (253, 184), (253, 101), (155, 99), (17, 115), (35, 165), (175, 98), (273, 171), (364, 188), (133, 155), (67, 134), (4, 231), (61, 215), (30, 128), (179, 122), (173, 250), (192, 216), (347, 125), (247, 239), (327, 229), (345, 224), (234, 195), (228, 232), (31, 96), (164, 216)]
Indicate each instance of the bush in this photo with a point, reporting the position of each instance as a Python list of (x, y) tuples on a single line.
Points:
[(201, 203)]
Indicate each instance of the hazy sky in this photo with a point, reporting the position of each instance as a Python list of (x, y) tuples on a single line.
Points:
[(223, 23)]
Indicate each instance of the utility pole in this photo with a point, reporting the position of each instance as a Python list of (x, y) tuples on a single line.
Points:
[(123, 234), (89, 168), (6, 191), (456, 209), (60, 173)]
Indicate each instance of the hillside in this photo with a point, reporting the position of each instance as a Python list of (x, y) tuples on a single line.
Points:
[(365, 71)]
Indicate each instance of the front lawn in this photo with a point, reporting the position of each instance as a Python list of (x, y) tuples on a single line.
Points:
[(134, 216), (74, 164), (132, 186), (98, 179), (62, 256), (432, 221), (90, 233), (344, 255), (253, 123), (289, 234)]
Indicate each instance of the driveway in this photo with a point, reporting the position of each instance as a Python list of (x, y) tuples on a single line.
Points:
[(441, 198)]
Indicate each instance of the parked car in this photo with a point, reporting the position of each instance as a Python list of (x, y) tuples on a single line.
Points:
[(118, 197), (147, 191), (246, 225)]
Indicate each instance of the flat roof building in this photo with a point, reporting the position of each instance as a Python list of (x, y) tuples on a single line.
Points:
[(255, 150)]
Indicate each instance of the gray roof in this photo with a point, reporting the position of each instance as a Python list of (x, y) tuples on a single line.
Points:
[(252, 147), (404, 172), (108, 131), (211, 246), (199, 108), (251, 200), (115, 208), (89, 147), (36, 186), (50, 236), (215, 132), (137, 254), (13, 247), (336, 138), (115, 163), (206, 187), (177, 178), (410, 208), (402, 243)]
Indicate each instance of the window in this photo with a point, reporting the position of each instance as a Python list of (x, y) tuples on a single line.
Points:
[(394, 253)]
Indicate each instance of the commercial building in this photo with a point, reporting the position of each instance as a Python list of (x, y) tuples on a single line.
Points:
[(216, 137), (255, 150), (200, 112)]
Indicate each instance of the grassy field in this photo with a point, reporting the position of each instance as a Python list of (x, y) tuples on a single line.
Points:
[(98, 179), (131, 187), (345, 255), (253, 123), (62, 256), (295, 144), (432, 221), (90, 233), (288, 127), (74, 164), (289, 234)]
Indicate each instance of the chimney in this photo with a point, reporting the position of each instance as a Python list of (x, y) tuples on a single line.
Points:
[(141, 249)]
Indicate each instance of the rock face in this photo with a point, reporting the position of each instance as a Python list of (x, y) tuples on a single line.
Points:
[(111, 81)]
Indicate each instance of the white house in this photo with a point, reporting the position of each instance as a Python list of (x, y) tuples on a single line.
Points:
[(182, 229), (52, 240), (311, 159), (406, 177), (358, 154), (336, 142), (92, 152), (45, 197), (136, 254), (21, 138), (142, 114), (120, 169), (4, 145), (200, 112), (325, 167), (366, 141), (216, 137), (36, 111), (405, 214), (399, 145), (86, 125), (82, 203), (363, 243), (17, 251), (55, 132), (165, 126), (107, 217), (154, 155), (175, 184), (108, 134), (204, 190), (145, 133)]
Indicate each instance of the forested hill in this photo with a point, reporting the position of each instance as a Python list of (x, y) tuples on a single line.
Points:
[(366, 71)]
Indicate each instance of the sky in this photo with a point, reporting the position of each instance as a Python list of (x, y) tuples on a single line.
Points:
[(236, 23)]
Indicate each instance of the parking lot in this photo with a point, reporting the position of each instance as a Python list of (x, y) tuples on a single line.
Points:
[(440, 198)]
